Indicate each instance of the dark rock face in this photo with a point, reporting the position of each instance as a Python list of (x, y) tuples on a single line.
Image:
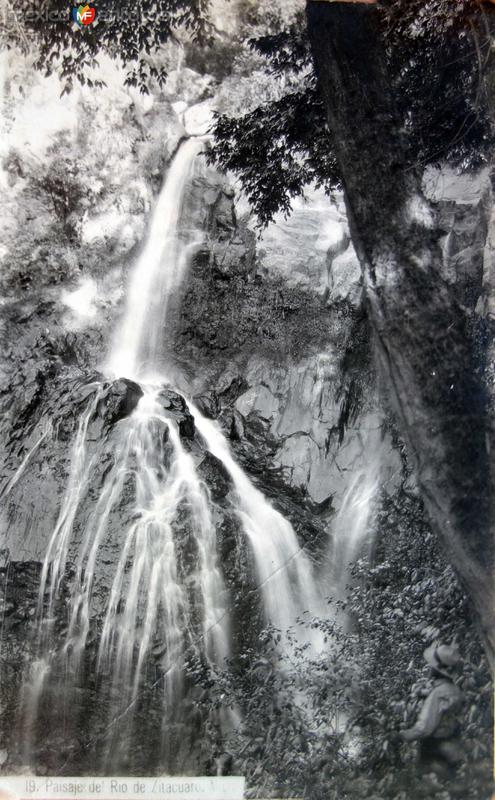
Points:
[(175, 406), (232, 423), (215, 476), (120, 400), (208, 404), (19, 592)]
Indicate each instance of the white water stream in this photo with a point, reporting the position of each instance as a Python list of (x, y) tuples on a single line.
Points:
[(157, 275), (351, 527), (25, 461), (285, 575)]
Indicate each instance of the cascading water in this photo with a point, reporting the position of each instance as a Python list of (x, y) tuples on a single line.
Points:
[(25, 461), (351, 526), (157, 275), (154, 609), (284, 572)]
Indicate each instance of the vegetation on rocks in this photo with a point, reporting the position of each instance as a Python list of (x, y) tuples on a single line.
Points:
[(369, 685)]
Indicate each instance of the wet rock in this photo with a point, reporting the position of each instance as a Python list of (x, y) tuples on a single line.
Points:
[(120, 400), (186, 547), (170, 400), (32, 390), (208, 404), (224, 216), (230, 385), (82, 393), (175, 406), (232, 424), (216, 476), (227, 544), (186, 426)]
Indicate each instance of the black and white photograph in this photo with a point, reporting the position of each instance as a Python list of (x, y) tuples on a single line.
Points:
[(247, 386)]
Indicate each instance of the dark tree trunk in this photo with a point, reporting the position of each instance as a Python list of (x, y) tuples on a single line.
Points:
[(429, 355)]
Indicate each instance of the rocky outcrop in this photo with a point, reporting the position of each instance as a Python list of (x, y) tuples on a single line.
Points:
[(119, 400), (463, 202), (301, 406), (216, 477), (283, 351), (312, 249), (175, 407)]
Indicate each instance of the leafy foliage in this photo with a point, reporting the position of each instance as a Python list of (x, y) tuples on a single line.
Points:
[(277, 150), (438, 54), (283, 145), (125, 30), (328, 726), (439, 51), (430, 18)]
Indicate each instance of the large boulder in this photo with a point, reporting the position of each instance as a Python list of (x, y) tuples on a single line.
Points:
[(207, 402), (198, 119), (232, 423), (119, 400), (175, 407)]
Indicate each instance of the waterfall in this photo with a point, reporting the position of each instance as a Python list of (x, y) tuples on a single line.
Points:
[(284, 572), (150, 605), (351, 526), (25, 461), (56, 554), (157, 275), (156, 605)]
